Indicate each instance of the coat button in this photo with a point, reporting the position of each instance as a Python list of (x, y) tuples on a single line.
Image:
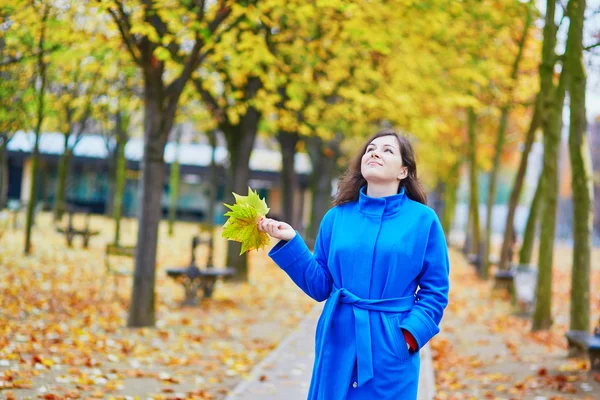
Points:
[(354, 385)]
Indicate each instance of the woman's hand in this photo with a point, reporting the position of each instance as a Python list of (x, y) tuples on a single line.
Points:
[(277, 229)]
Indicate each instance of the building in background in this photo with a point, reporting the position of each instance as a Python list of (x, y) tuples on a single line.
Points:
[(88, 183)]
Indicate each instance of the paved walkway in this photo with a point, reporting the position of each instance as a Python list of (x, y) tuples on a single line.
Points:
[(285, 373)]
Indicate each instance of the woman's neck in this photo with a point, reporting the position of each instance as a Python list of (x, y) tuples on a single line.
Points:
[(382, 190)]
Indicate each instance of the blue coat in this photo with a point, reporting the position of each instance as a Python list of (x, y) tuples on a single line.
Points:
[(370, 257)]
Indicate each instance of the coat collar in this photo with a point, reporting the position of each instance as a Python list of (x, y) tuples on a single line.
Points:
[(380, 205)]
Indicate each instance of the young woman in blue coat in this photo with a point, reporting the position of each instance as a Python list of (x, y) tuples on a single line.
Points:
[(381, 262)]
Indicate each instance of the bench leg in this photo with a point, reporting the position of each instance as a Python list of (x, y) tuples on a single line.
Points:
[(575, 350), (595, 360), (86, 241), (191, 288), (208, 287)]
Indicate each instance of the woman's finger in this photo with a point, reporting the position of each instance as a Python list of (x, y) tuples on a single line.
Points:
[(272, 228), (275, 229)]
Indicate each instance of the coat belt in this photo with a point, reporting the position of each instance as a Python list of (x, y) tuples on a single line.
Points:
[(362, 325)]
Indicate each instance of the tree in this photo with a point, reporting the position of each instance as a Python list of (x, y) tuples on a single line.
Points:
[(44, 12), (121, 138), (501, 136), (153, 34), (473, 182), (114, 109), (16, 82), (74, 86), (532, 222), (174, 182), (552, 97), (236, 89), (581, 169), (15, 93), (513, 201)]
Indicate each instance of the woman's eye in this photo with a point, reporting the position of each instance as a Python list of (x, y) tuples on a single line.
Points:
[(369, 150), (389, 150)]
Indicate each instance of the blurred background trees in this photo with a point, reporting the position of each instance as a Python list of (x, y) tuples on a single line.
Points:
[(194, 100)]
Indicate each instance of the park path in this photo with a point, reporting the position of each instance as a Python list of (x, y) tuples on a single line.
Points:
[(484, 350), (285, 373)]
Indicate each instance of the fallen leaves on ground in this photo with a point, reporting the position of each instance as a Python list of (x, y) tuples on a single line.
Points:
[(63, 334), (486, 351)]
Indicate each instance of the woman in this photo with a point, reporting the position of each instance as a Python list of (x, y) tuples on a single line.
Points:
[(375, 247)]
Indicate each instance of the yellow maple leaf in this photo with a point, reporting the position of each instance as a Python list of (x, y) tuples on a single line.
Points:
[(242, 225)]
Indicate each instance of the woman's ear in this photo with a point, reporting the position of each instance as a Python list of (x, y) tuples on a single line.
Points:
[(403, 174)]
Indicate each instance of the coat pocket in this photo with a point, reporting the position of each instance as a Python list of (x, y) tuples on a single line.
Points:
[(400, 347)]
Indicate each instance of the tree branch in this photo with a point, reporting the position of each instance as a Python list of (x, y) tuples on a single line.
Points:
[(16, 60), (219, 37), (122, 21), (219, 18), (88, 109), (211, 103), (588, 48), (195, 57)]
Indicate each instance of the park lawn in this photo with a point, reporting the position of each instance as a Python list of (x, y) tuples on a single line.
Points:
[(485, 351), (63, 335)]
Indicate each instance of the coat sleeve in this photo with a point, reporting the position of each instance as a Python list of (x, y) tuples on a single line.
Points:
[(423, 320), (308, 271)]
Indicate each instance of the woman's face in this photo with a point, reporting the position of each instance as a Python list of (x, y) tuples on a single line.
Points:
[(382, 161)]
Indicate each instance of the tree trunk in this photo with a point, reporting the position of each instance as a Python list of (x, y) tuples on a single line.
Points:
[(212, 199), (507, 242), (468, 231), (61, 181), (240, 142), (324, 162), (157, 125), (119, 188), (581, 169), (500, 138), (3, 173), (111, 161), (38, 131), (552, 107), (174, 194), (435, 199), (532, 222), (121, 137), (474, 188), (289, 180), (174, 184), (491, 196), (240, 147), (450, 197)]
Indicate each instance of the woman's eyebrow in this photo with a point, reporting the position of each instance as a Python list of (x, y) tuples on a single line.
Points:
[(385, 145)]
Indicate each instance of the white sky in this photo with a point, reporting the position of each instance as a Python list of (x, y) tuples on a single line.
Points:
[(592, 26)]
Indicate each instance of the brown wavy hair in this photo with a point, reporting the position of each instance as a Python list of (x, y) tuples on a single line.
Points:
[(352, 180)]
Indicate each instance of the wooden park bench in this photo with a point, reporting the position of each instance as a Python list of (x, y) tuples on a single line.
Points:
[(195, 279), (475, 260), (525, 284), (582, 342), (70, 232), (116, 272), (504, 278), (14, 208)]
